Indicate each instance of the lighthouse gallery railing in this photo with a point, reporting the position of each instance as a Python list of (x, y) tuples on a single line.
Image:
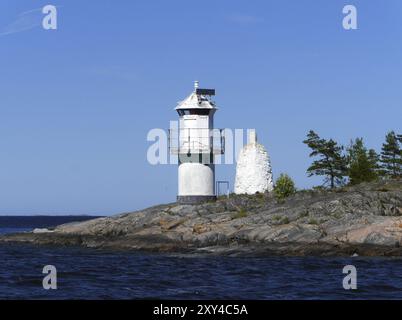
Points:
[(196, 140)]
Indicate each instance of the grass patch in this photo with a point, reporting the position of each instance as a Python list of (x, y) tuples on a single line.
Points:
[(242, 213), (280, 200), (281, 220), (303, 214), (383, 189), (313, 221)]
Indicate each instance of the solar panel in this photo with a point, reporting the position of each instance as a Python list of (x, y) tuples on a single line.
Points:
[(205, 92)]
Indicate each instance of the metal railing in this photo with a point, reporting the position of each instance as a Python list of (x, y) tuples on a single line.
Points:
[(196, 140)]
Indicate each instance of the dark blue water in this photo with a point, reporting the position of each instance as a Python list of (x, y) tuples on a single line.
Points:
[(93, 274)]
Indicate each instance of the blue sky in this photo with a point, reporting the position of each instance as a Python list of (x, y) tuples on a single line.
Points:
[(77, 103)]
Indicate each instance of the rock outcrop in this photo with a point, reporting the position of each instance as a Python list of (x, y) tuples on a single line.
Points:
[(365, 219)]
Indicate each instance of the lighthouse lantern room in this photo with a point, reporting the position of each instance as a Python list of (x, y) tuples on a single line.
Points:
[(196, 143)]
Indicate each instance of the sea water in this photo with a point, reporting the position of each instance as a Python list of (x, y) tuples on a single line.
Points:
[(95, 274)]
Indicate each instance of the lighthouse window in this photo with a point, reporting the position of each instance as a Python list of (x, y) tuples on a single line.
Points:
[(202, 112), (183, 112)]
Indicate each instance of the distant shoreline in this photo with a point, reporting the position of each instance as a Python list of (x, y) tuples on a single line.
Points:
[(10, 224)]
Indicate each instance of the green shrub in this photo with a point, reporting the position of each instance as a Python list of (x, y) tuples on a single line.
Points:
[(284, 186)]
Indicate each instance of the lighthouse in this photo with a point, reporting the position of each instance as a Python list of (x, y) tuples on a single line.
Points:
[(196, 143)]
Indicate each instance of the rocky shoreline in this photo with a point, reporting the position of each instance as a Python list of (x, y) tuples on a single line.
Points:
[(364, 220)]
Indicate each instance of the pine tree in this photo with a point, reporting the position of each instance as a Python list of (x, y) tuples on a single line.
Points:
[(391, 155), (374, 159), (330, 163), (362, 163)]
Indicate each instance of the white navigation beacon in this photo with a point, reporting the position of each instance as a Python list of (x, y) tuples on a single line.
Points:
[(196, 143)]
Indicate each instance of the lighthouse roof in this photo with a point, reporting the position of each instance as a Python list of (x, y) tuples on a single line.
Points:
[(197, 100)]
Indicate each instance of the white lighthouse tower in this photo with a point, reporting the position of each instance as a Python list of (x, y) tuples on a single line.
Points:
[(196, 146)]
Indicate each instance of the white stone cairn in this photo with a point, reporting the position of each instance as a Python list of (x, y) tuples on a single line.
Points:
[(253, 172)]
